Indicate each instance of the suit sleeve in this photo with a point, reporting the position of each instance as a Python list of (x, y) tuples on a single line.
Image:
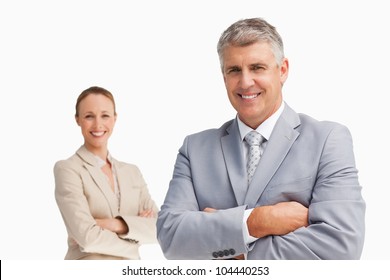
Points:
[(186, 232), (143, 230), (336, 212), (80, 224)]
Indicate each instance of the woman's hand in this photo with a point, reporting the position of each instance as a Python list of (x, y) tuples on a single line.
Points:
[(116, 225), (147, 214)]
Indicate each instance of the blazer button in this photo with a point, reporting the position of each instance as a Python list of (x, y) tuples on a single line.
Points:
[(215, 255), (220, 254), (226, 253), (232, 252)]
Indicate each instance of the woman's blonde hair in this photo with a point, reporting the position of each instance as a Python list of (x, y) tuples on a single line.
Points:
[(94, 90)]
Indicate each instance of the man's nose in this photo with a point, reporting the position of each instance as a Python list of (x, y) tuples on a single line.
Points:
[(246, 80)]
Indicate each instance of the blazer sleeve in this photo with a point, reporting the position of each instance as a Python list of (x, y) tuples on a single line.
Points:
[(142, 230), (186, 232), (80, 224), (336, 212)]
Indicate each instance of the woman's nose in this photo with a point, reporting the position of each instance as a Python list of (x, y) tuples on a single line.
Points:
[(98, 122)]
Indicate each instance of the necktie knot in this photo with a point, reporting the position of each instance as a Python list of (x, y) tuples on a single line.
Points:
[(253, 138)]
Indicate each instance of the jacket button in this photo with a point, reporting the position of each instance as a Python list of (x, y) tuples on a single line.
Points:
[(215, 255), (232, 252), (220, 254), (226, 253)]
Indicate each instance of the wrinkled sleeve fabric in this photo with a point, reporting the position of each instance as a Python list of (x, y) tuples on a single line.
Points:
[(142, 230), (336, 213), (76, 214), (186, 232), (324, 153)]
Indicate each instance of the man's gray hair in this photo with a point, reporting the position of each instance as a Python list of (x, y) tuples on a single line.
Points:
[(249, 31)]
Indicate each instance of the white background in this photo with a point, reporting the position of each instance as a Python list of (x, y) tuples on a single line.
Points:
[(159, 60)]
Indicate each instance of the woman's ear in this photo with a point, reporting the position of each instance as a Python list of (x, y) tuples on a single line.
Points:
[(77, 120)]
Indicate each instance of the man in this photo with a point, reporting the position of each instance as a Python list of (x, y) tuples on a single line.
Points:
[(301, 200)]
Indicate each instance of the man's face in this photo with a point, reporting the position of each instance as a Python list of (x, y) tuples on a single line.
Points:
[(253, 81)]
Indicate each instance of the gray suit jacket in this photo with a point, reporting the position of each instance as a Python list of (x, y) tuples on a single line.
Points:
[(83, 193), (305, 160)]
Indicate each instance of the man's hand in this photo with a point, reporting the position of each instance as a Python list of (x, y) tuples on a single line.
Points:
[(278, 219), (209, 210)]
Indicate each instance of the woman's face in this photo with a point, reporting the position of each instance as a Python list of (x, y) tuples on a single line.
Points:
[(97, 119)]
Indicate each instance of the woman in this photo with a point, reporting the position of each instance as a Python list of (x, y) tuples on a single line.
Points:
[(105, 203)]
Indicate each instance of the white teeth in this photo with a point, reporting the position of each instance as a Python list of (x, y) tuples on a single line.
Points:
[(97, 133), (249, 96)]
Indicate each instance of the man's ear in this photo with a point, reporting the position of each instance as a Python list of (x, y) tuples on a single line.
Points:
[(284, 67)]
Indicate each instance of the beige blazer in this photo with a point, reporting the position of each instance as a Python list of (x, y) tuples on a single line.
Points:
[(83, 193)]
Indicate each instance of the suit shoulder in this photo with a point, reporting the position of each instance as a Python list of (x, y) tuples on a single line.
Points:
[(212, 132), (311, 128), (74, 163), (324, 125)]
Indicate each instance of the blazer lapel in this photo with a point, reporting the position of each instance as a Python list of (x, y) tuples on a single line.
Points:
[(129, 196), (101, 181), (234, 160), (280, 142)]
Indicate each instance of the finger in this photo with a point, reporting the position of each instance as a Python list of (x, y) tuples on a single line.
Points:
[(146, 213), (209, 210)]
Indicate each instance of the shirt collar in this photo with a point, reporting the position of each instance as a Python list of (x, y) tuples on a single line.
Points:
[(99, 161), (265, 129)]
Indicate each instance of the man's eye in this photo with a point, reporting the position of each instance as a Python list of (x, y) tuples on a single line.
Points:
[(258, 67), (233, 70), (88, 116), (106, 116)]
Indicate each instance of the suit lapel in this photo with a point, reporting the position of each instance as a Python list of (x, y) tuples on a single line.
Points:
[(234, 160), (282, 138), (99, 178), (129, 197)]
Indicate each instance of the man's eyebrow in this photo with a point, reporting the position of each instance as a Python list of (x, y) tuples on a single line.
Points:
[(233, 67), (258, 63)]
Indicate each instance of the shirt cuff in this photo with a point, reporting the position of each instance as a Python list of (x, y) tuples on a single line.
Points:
[(247, 238)]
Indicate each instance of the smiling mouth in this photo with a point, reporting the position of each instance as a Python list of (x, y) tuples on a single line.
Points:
[(248, 97), (98, 134)]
